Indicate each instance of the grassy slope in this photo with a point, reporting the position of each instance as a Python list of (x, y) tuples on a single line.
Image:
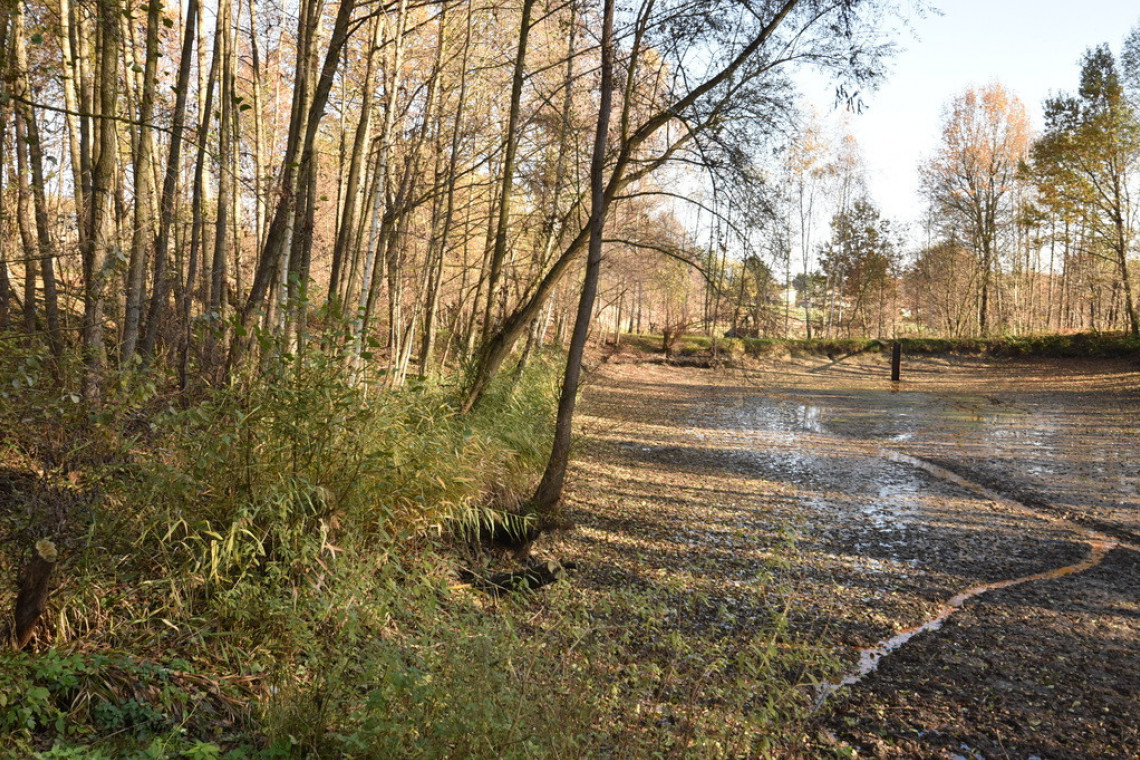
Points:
[(271, 573), (1077, 345)]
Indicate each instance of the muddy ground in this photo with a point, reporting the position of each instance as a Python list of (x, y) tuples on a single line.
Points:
[(702, 477)]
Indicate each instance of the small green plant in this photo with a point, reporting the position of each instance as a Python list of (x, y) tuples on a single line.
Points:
[(58, 698)]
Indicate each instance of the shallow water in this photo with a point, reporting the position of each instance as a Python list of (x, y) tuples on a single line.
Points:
[(891, 492)]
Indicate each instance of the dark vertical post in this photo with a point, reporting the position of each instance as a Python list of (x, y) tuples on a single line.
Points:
[(896, 361), (32, 595)]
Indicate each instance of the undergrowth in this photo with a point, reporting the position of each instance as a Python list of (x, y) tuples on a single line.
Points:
[(266, 573)]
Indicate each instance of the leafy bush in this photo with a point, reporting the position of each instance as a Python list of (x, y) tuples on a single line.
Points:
[(259, 534), (266, 481)]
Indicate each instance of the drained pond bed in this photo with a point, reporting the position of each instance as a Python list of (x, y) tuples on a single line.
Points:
[(867, 507)]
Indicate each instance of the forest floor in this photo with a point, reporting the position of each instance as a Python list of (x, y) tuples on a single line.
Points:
[(874, 504)]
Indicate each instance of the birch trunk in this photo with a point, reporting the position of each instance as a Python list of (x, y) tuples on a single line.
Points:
[(143, 234), (99, 243), (346, 233), (161, 285), (72, 106)]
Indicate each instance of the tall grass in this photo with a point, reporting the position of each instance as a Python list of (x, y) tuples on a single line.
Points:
[(264, 532), (265, 574)]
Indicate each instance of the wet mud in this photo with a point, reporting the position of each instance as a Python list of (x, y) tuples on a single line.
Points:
[(966, 539)]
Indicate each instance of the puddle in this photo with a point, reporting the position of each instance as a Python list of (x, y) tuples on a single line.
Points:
[(950, 477), (789, 441), (887, 491)]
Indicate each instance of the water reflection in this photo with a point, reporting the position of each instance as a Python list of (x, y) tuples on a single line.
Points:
[(886, 490)]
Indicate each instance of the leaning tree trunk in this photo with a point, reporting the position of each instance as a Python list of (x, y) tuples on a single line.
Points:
[(554, 225), (299, 169), (549, 493), (495, 350)]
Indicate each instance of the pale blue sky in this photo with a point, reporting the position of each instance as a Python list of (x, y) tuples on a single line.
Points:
[(1033, 48)]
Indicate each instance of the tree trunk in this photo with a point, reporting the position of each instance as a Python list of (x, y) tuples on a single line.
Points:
[(24, 222), (79, 168), (498, 346), (510, 147), (160, 285), (32, 595), (443, 209), (197, 220), (549, 492), (345, 239), (44, 247), (143, 234), (1125, 276), (5, 282), (100, 241), (381, 217), (223, 38), (299, 162), (258, 129)]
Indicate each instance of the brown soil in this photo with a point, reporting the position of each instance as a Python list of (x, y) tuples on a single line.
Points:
[(700, 477)]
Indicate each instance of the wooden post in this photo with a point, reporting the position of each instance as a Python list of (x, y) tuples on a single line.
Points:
[(33, 593), (896, 361)]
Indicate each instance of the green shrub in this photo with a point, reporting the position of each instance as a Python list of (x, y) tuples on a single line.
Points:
[(261, 531), (265, 481)]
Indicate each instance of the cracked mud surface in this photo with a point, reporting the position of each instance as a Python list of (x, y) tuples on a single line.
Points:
[(699, 477)]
